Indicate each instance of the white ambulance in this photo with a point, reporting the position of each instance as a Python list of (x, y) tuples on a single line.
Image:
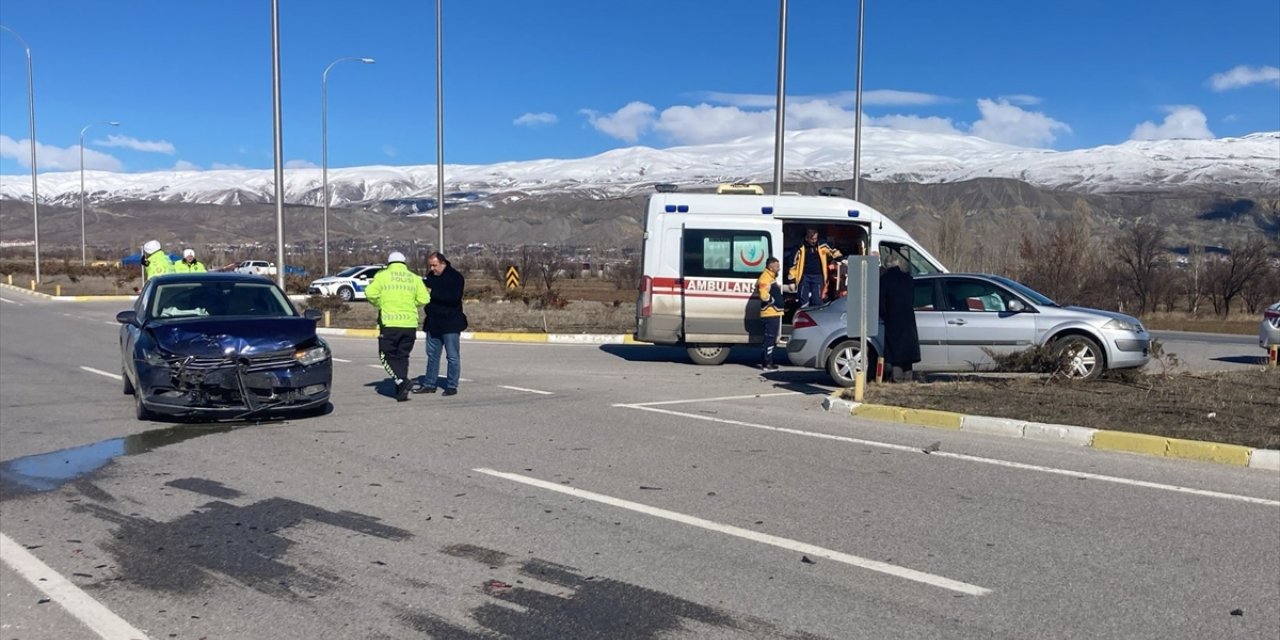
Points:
[(703, 252)]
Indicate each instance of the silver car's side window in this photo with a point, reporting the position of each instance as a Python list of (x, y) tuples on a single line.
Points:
[(962, 294)]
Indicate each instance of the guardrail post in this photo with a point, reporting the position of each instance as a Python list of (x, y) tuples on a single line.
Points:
[(1273, 353), (326, 318), (57, 290), (33, 284), (10, 279)]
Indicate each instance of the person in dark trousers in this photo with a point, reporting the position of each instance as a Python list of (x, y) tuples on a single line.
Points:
[(809, 269), (770, 294), (444, 324), (897, 308), (397, 292)]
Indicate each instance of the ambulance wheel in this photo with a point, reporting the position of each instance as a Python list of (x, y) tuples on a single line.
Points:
[(707, 354), (346, 294)]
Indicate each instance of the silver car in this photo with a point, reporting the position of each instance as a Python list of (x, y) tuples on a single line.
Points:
[(965, 318), (1269, 332)]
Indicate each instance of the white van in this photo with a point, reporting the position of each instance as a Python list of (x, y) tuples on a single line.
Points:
[(703, 253)]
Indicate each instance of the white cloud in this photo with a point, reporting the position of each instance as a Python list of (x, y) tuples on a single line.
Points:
[(535, 119), (390, 151), (1020, 99), (300, 164), (705, 123), (1183, 121), (183, 165), (149, 146), (931, 124), (57, 158), (876, 98), (627, 123), (1008, 123), (1243, 76), (217, 166)]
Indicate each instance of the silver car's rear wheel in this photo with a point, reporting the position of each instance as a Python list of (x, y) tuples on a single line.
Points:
[(1079, 357), (844, 362)]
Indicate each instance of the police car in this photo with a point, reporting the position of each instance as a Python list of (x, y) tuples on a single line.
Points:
[(348, 284)]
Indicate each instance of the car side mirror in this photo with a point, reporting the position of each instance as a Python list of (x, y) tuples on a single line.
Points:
[(127, 317), (1016, 306), (313, 314)]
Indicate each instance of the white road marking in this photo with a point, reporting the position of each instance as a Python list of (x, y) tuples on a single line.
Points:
[(746, 397), (100, 372), (747, 534), (92, 613), (111, 323), (11, 301), (341, 360), (960, 456), (544, 393)]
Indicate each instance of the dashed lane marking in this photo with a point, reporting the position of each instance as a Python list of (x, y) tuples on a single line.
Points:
[(967, 458), (544, 393), (92, 613), (747, 534), (114, 376), (12, 302)]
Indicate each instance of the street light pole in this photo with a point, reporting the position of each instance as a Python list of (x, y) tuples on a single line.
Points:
[(780, 111), (31, 118), (324, 144), (279, 140), (857, 109), (84, 256), (439, 127)]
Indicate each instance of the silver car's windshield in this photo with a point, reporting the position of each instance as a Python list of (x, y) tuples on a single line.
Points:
[(1026, 292), (218, 299)]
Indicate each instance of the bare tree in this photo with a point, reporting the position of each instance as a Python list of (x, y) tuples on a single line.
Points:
[(1227, 278), (1139, 253), (952, 239)]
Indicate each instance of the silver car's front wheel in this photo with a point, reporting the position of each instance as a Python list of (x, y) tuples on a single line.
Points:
[(1079, 357), (844, 363)]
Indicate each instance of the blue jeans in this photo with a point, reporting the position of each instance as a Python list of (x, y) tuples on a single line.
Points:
[(810, 290), (449, 342)]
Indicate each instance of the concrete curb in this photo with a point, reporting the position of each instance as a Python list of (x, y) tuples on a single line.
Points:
[(492, 336), (1102, 439)]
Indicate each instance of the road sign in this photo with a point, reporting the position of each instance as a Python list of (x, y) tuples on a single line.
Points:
[(513, 277)]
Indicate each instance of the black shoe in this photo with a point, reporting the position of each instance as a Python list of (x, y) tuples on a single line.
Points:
[(402, 391), (450, 392), (424, 389)]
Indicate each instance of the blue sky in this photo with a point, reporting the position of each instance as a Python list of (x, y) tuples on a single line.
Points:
[(190, 81)]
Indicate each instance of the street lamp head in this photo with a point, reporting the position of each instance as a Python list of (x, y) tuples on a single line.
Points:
[(114, 123), (367, 60)]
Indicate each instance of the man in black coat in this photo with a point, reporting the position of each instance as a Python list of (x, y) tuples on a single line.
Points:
[(444, 324), (897, 308)]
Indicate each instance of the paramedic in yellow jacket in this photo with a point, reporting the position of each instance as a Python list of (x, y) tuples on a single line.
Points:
[(809, 269), (398, 293), (769, 290)]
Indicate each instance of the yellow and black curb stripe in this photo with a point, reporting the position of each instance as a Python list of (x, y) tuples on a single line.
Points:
[(1216, 452)]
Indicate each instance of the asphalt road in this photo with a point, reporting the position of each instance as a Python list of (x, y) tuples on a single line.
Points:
[(592, 492)]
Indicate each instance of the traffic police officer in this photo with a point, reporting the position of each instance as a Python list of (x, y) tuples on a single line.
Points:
[(398, 294)]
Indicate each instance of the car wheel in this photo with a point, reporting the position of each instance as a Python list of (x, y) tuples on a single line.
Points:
[(706, 354), (128, 384), (1079, 357), (844, 362), (140, 411), (346, 294)]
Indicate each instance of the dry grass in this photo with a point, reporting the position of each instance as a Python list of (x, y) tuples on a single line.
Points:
[(576, 317), (1239, 407)]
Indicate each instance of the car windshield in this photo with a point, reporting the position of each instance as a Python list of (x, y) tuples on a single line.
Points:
[(1026, 292), (218, 299), (348, 272)]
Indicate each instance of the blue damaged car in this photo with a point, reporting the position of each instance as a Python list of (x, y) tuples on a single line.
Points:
[(221, 345)]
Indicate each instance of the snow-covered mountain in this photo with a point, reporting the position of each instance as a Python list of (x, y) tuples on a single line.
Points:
[(1250, 163)]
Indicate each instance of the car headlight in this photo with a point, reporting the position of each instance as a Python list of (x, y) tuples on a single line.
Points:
[(308, 357), (1121, 325)]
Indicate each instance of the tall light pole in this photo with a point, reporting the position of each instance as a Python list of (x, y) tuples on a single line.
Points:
[(857, 109), (439, 127), (279, 140), (324, 144), (31, 118), (84, 256), (780, 111)]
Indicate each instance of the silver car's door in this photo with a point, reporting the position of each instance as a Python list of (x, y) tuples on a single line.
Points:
[(931, 326), (979, 324)]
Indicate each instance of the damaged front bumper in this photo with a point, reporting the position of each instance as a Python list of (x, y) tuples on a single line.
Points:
[(233, 388)]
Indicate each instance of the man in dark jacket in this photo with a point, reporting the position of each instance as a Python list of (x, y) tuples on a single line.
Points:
[(897, 308), (444, 324)]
